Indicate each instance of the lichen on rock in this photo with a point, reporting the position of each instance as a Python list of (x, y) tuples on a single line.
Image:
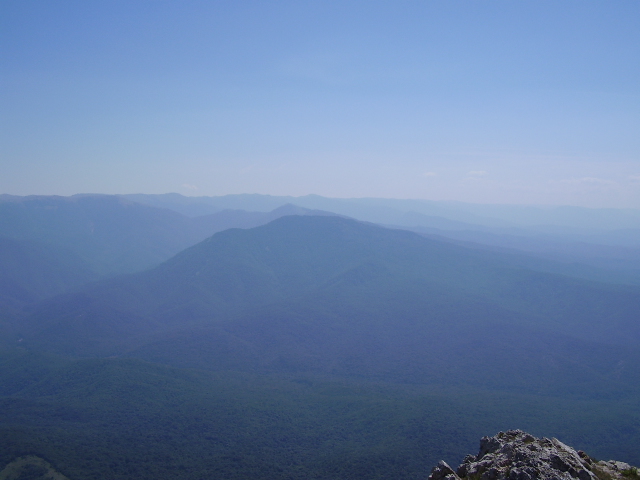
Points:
[(517, 455)]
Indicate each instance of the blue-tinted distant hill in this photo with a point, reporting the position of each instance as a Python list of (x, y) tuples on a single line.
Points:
[(114, 235), (406, 212), (335, 296), (51, 245), (601, 244)]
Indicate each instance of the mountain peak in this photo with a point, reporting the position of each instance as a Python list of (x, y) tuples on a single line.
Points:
[(291, 209), (517, 455)]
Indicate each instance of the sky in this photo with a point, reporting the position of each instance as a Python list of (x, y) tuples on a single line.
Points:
[(522, 102)]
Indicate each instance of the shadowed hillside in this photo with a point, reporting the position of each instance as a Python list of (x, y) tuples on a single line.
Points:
[(335, 296)]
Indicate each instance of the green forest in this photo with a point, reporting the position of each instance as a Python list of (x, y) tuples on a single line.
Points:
[(113, 418)]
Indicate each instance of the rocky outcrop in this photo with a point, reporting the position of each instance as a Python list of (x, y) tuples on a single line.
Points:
[(517, 455)]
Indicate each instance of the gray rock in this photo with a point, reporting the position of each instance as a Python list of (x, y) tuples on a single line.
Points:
[(517, 455), (442, 471)]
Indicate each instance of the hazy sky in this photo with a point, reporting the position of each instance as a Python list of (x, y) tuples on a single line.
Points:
[(483, 101)]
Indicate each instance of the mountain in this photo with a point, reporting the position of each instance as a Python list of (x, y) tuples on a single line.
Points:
[(602, 244), (113, 235), (225, 219), (313, 346), (334, 296)]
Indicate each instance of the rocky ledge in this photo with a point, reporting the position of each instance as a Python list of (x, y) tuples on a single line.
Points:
[(516, 455)]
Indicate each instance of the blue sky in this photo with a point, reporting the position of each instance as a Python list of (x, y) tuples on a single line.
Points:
[(481, 101)]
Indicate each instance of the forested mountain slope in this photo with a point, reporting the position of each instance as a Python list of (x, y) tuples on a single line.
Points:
[(332, 295)]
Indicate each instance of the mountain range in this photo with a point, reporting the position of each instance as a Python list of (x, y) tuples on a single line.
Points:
[(332, 295), (108, 305), (605, 241)]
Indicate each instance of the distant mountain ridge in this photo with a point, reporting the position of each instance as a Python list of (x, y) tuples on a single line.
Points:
[(114, 235), (606, 239), (388, 210), (328, 294), (50, 245), (118, 234)]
